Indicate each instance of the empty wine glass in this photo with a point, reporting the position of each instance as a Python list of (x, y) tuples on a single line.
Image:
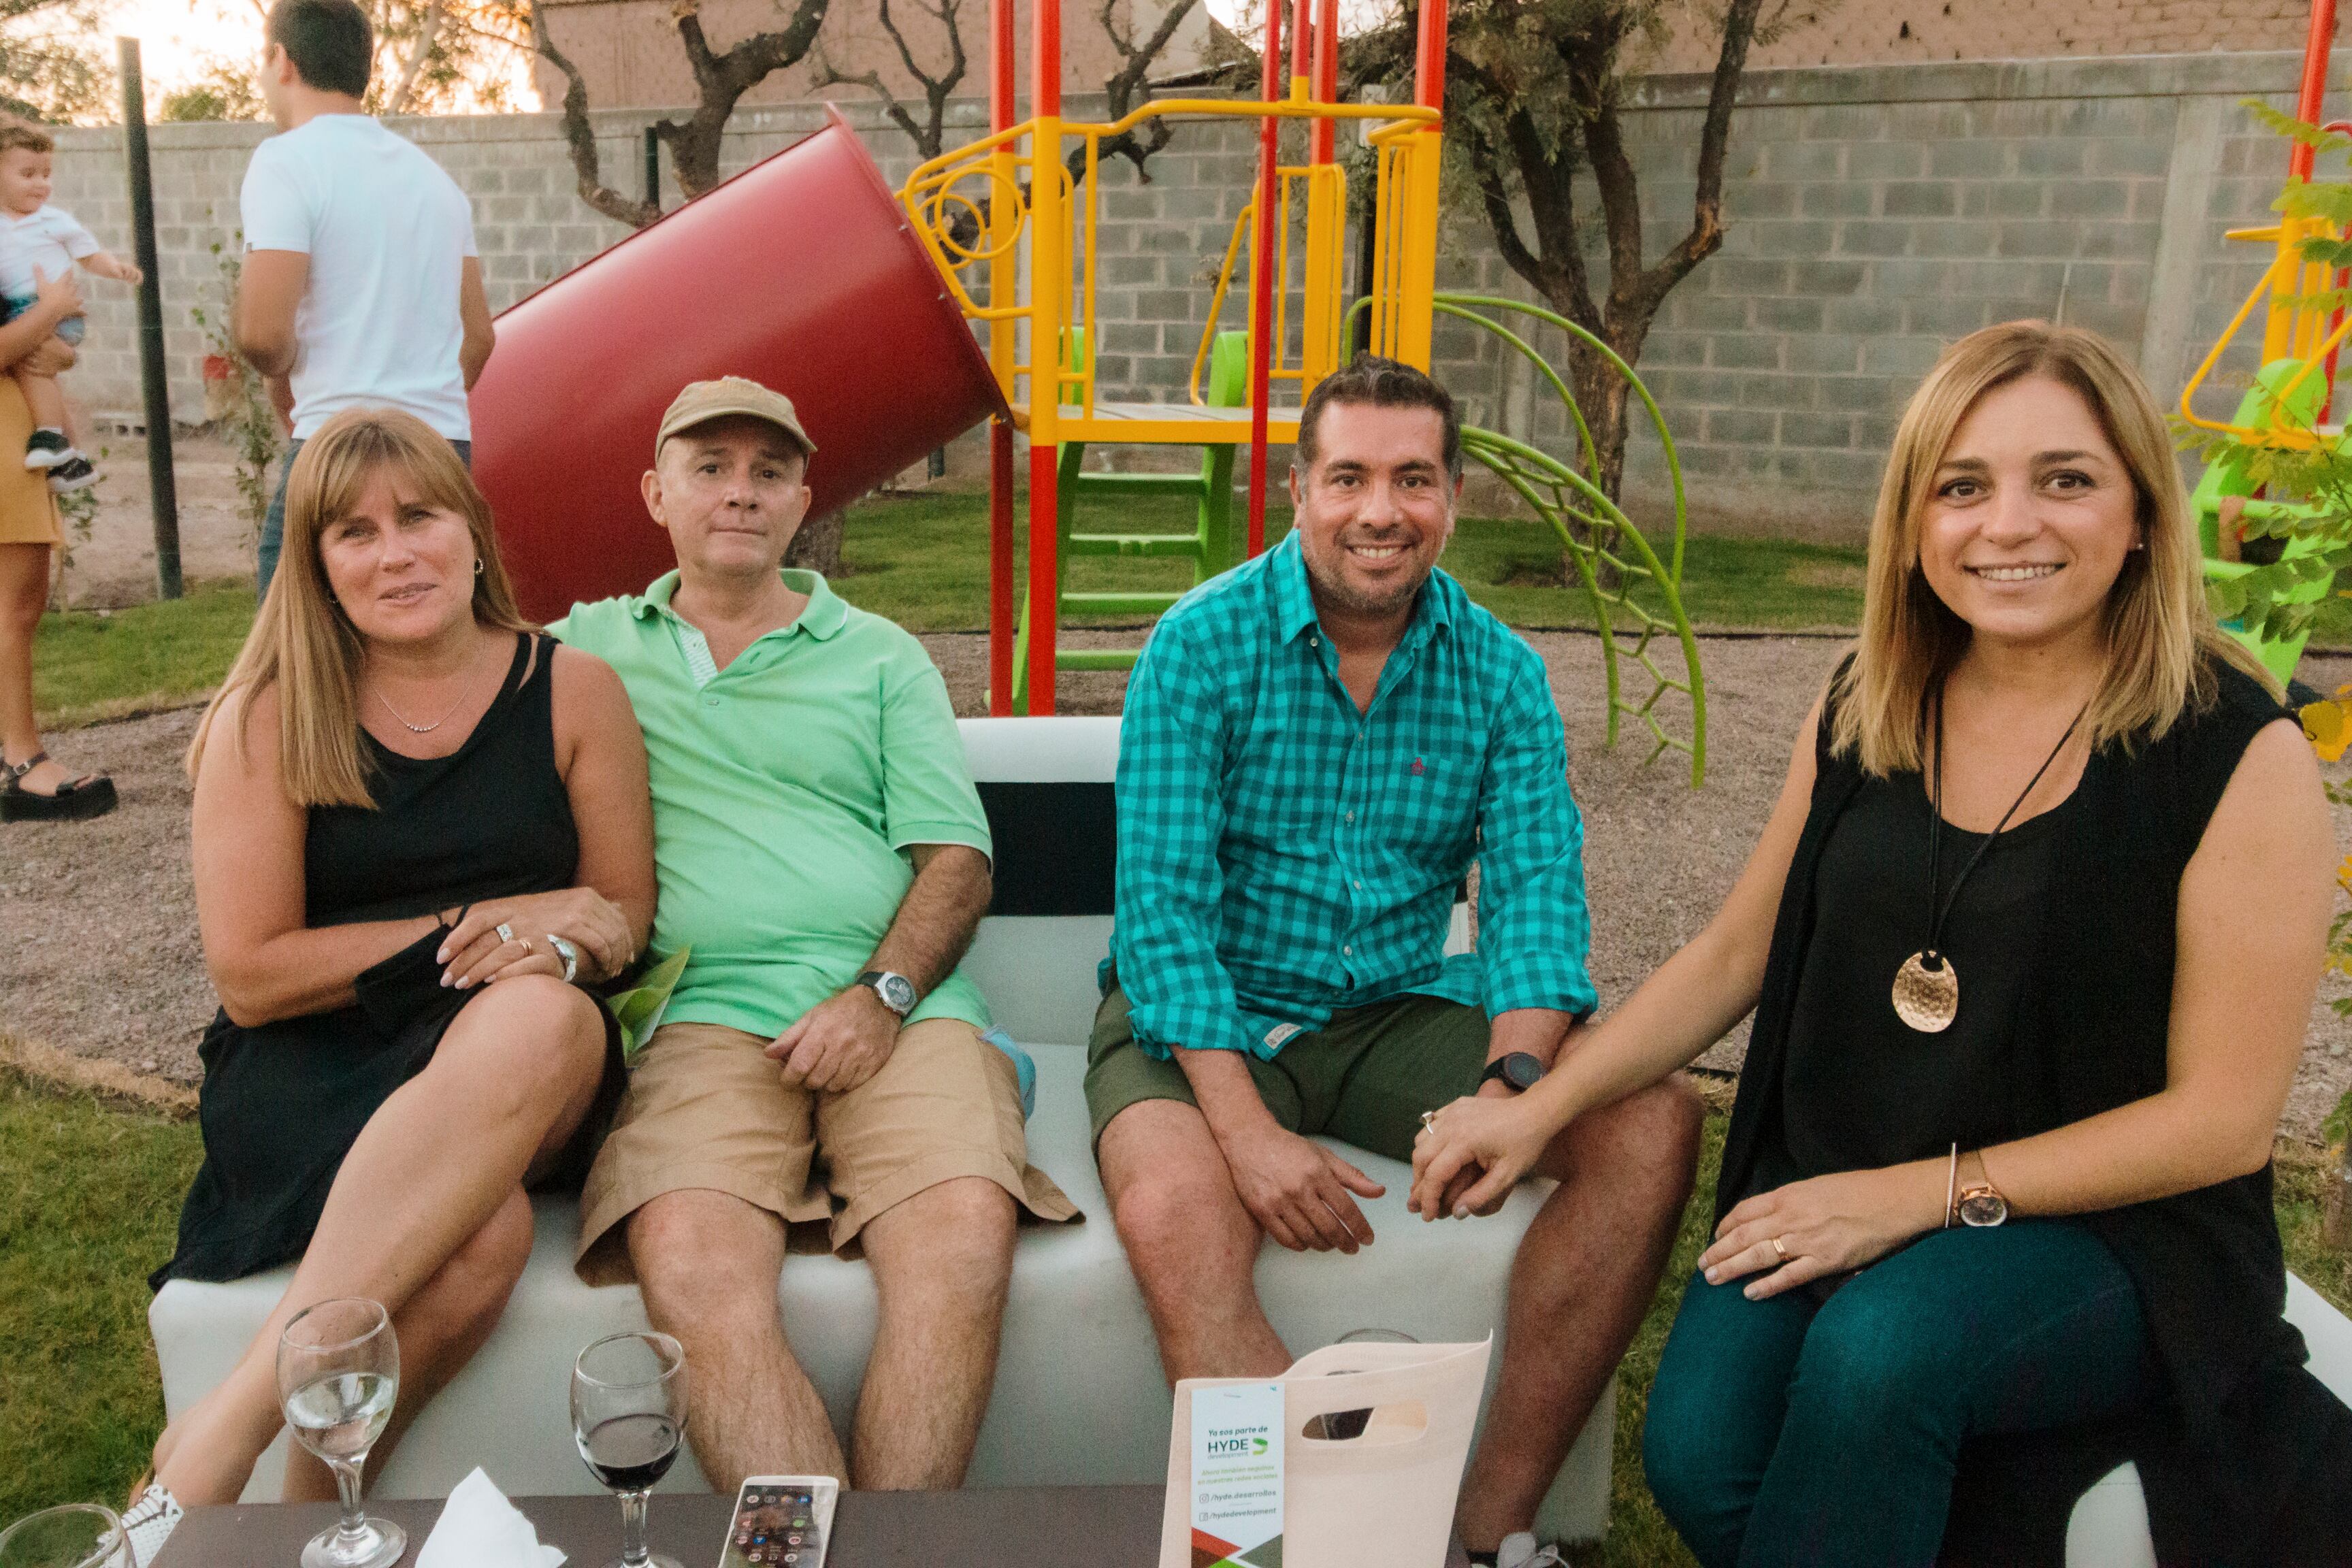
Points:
[(78, 1535), (628, 1415), (338, 1376)]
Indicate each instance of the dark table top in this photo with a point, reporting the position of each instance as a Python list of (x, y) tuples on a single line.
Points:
[(1038, 1527)]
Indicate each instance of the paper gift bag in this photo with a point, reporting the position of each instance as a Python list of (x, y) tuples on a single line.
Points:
[(1357, 1493)]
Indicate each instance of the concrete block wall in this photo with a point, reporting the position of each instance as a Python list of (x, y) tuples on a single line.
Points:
[(1876, 213)]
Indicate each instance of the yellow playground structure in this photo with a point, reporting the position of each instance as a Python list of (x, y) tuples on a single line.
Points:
[(2287, 408), (1012, 221)]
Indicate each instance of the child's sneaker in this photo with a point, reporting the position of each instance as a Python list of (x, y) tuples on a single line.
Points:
[(76, 473), (48, 449)]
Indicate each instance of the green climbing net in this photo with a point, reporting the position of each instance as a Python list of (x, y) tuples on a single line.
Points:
[(1636, 597)]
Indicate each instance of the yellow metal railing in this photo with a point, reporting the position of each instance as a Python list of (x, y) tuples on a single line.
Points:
[(971, 206), (2297, 325), (1321, 284)]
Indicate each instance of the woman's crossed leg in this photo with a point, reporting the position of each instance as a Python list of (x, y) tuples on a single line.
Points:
[(426, 1215)]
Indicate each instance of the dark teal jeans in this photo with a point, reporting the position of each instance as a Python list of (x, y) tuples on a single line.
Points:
[(1790, 1431)]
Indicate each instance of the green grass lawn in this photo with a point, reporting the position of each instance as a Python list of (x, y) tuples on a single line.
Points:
[(90, 664), (89, 1195)]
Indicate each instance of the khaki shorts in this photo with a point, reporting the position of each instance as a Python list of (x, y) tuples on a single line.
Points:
[(707, 1109)]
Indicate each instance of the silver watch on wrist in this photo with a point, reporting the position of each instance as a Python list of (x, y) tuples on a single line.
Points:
[(566, 952), (897, 991)]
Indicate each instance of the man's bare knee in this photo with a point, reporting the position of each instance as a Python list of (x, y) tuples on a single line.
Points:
[(705, 1257), (946, 1250), (1645, 1143)]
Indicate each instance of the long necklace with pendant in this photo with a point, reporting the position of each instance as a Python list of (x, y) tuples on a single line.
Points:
[(1927, 988)]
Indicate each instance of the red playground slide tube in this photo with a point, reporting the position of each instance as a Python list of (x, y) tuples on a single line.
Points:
[(800, 273)]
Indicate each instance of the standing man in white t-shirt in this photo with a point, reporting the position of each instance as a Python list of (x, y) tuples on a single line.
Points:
[(361, 281)]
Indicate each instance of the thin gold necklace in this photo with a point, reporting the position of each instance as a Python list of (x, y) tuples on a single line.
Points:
[(427, 728)]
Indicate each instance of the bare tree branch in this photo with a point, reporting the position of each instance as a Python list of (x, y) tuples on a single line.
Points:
[(723, 79), (426, 32), (580, 137), (930, 133), (1130, 86)]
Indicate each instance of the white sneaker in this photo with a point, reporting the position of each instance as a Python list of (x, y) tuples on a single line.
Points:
[(1518, 1551), (151, 1518)]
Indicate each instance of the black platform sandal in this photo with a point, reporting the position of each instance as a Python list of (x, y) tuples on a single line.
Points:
[(92, 795)]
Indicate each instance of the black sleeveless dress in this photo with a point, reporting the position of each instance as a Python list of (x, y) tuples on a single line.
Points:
[(283, 1101)]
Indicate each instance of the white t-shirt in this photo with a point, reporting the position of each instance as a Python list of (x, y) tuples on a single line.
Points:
[(387, 233), (48, 240)]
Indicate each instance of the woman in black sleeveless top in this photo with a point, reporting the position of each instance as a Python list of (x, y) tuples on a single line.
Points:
[(420, 827), (2032, 939)]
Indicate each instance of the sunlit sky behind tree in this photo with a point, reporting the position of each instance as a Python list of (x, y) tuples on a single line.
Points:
[(181, 40)]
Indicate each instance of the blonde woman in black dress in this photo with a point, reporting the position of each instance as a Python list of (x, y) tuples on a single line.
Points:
[(2032, 939), (420, 828)]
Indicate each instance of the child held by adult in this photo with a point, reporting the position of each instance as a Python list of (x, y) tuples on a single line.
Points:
[(40, 240)]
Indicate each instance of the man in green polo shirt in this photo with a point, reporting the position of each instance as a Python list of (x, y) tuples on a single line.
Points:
[(824, 860)]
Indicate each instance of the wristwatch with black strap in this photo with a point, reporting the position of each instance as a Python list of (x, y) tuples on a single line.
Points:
[(897, 992), (1521, 1071)]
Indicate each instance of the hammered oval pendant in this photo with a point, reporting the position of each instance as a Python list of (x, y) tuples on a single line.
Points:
[(1928, 999)]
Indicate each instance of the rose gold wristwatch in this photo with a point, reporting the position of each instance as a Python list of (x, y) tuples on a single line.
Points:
[(1980, 1203)]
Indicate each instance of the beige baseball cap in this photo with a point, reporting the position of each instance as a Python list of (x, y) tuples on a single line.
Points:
[(703, 401)]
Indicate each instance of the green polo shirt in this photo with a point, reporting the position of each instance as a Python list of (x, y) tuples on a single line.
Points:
[(787, 789)]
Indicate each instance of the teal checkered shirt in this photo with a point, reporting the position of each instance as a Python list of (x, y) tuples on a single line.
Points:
[(1282, 856)]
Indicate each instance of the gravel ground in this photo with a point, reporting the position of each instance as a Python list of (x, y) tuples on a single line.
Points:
[(105, 961)]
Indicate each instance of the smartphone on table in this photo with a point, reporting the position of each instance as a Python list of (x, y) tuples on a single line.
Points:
[(781, 1520)]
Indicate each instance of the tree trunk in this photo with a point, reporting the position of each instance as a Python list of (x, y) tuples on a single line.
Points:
[(817, 546)]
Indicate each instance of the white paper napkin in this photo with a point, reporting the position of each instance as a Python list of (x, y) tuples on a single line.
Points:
[(479, 1528)]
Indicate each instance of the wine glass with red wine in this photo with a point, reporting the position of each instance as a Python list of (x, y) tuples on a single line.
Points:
[(629, 1417)]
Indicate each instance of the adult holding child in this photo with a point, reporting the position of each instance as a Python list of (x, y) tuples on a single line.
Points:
[(32, 785), (361, 283), (420, 824), (2031, 939)]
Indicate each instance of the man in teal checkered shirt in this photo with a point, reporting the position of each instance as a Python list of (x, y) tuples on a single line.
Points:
[(1316, 747)]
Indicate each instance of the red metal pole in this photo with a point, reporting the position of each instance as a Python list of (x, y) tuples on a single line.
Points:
[(1301, 37), (1045, 373), (1429, 54), (1269, 151), (2312, 99), (1002, 608), (1326, 77)]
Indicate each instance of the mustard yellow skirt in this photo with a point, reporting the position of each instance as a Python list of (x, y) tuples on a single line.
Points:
[(27, 514)]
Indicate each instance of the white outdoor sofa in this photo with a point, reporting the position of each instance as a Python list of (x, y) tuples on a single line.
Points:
[(1079, 1398)]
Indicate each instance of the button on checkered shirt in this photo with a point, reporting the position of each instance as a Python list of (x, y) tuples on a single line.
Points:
[(1282, 856)]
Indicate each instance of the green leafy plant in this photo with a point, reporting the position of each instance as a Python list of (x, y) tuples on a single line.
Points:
[(2295, 530), (250, 423)]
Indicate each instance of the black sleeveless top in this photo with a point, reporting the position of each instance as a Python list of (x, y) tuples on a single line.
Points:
[(283, 1101), (2249, 1460), (490, 820), (1862, 1090)]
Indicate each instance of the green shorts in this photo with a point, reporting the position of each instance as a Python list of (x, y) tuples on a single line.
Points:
[(1364, 1079)]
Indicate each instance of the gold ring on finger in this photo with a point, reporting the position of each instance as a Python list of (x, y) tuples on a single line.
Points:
[(528, 950), (1779, 1251)]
